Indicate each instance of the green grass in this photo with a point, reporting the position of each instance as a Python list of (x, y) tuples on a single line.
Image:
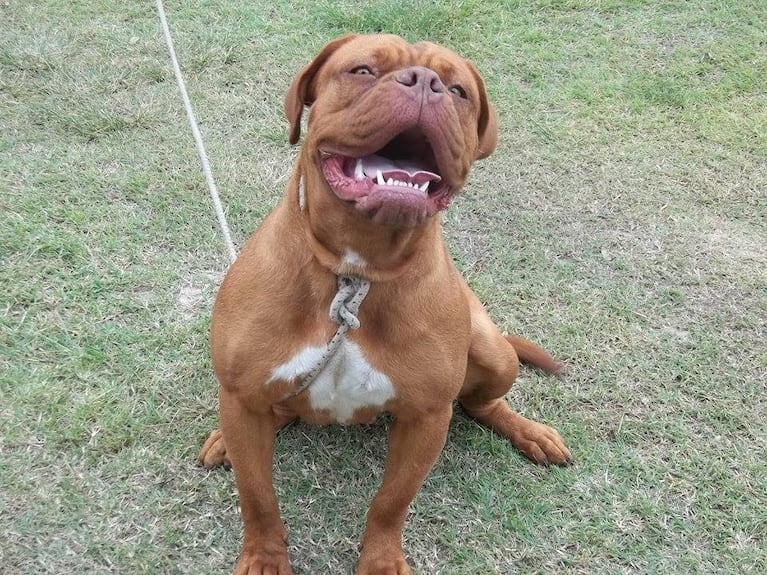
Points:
[(621, 223)]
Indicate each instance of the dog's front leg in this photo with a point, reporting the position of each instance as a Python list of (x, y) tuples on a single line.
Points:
[(249, 440), (415, 442)]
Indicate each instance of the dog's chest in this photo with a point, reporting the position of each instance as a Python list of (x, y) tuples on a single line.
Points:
[(347, 382)]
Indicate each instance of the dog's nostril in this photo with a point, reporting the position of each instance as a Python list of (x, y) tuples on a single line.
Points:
[(436, 85), (421, 76), (408, 77)]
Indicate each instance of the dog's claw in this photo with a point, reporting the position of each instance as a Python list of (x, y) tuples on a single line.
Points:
[(394, 566), (542, 444), (264, 563)]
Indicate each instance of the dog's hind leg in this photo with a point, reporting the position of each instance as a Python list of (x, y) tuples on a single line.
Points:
[(213, 452), (492, 368)]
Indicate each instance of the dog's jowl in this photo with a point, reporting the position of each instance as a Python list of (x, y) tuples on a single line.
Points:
[(345, 302)]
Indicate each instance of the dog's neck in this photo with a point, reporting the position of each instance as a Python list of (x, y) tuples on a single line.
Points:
[(347, 243)]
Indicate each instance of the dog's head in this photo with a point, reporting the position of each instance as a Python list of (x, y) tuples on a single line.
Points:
[(393, 126)]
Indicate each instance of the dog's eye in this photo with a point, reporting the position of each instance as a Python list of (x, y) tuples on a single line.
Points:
[(362, 71), (457, 90)]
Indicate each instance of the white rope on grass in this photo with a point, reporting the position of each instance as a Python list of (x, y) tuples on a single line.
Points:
[(197, 137), (351, 290)]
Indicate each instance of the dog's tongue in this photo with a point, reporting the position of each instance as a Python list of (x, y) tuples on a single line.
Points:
[(403, 170)]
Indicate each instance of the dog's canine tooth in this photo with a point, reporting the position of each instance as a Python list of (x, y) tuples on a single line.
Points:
[(359, 173), (424, 187), (379, 178)]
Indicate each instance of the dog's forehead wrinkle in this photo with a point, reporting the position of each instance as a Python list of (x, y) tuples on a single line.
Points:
[(439, 59), (391, 53), (387, 60), (381, 50)]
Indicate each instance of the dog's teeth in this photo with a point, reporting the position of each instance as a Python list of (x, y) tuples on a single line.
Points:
[(359, 173), (380, 180)]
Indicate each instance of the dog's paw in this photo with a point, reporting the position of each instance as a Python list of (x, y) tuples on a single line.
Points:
[(264, 562), (394, 564), (541, 443), (213, 452)]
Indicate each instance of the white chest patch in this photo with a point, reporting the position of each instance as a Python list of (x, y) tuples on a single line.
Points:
[(352, 258), (347, 383)]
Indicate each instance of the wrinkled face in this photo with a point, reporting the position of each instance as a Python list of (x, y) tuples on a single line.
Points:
[(395, 127)]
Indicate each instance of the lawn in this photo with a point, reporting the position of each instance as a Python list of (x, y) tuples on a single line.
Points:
[(622, 223)]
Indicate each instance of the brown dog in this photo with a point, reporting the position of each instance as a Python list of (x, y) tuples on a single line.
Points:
[(393, 131)]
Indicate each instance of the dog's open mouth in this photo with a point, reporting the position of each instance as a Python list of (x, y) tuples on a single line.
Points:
[(397, 185)]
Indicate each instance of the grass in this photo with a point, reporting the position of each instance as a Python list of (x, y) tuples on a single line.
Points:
[(621, 223)]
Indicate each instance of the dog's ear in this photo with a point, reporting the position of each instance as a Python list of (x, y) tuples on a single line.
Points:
[(301, 91), (488, 135), (487, 123)]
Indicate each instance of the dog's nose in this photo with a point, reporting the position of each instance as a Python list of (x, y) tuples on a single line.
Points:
[(421, 78)]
